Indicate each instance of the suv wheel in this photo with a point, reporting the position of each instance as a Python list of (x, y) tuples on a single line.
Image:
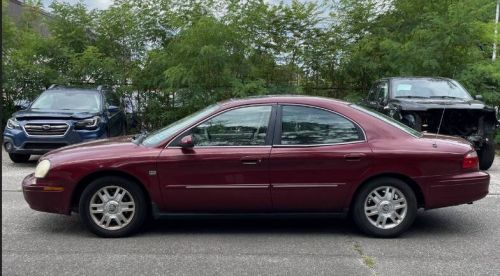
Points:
[(19, 158), (385, 207), (113, 207), (486, 155)]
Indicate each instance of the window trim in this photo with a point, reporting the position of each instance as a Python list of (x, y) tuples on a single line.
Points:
[(278, 126), (379, 86), (269, 134)]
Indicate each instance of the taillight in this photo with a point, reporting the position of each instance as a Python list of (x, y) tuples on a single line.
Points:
[(471, 161)]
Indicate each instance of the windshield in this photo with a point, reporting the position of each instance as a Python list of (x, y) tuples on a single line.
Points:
[(429, 88), (83, 101), (156, 137), (389, 120)]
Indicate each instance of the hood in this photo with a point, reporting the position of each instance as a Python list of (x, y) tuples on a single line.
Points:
[(425, 104), (102, 149), (31, 114)]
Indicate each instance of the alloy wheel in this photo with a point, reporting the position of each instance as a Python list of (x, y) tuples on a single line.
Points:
[(112, 207), (385, 207)]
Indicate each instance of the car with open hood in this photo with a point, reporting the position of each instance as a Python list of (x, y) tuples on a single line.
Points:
[(62, 116), (265, 156), (438, 105)]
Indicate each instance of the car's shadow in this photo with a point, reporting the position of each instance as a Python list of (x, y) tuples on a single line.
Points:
[(430, 223)]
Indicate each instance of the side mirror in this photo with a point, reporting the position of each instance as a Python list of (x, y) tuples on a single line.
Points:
[(187, 142), (113, 108), (478, 97)]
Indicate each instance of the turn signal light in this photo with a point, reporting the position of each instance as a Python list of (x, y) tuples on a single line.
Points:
[(471, 161), (53, 189)]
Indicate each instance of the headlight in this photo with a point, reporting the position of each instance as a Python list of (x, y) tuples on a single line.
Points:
[(91, 123), (42, 169), (13, 124)]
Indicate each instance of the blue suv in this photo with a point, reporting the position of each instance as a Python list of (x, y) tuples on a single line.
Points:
[(61, 116)]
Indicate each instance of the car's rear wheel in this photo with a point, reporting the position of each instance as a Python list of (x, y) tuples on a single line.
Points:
[(19, 158), (486, 155), (385, 207), (113, 207)]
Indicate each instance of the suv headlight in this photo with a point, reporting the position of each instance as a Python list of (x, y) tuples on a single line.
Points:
[(91, 123), (42, 169), (12, 123)]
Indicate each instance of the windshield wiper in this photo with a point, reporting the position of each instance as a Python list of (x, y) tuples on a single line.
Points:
[(137, 139), (446, 97), (412, 97)]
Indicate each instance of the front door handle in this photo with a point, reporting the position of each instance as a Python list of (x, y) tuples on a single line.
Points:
[(250, 160), (354, 156)]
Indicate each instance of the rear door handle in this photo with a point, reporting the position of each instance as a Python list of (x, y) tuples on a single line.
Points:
[(354, 156), (250, 160)]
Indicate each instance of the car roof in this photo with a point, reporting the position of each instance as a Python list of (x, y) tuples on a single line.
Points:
[(74, 89), (416, 78), (292, 99), (56, 87)]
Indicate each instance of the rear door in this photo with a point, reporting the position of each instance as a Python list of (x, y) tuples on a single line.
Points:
[(317, 155)]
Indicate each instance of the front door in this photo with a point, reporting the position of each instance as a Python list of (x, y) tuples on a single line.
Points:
[(226, 170), (316, 157)]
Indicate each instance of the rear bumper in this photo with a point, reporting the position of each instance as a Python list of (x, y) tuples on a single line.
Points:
[(456, 189), (45, 198)]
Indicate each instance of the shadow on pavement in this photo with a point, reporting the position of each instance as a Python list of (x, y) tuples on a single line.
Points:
[(437, 222)]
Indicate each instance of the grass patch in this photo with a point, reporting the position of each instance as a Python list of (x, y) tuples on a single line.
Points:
[(367, 260)]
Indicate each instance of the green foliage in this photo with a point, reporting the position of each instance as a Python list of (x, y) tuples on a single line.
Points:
[(176, 56)]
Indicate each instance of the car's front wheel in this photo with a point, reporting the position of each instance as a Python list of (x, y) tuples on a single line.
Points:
[(19, 158), (113, 207), (486, 155), (385, 207)]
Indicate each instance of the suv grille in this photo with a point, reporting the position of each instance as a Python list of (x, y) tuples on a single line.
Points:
[(46, 129)]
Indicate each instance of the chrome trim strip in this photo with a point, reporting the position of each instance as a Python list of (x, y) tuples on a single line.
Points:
[(318, 145), (204, 147), (229, 186), (305, 185), (258, 186)]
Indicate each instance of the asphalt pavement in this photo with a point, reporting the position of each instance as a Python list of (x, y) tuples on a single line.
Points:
[(460, 240)]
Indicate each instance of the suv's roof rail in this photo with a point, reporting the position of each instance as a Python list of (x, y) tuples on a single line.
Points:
[(52, 86), (99, 87)]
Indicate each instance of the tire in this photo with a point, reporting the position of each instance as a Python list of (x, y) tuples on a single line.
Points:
[(393, 227), (19, 158), (130, 210), (486, 155)]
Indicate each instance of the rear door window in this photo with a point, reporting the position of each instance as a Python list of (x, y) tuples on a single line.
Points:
[(302, 125)]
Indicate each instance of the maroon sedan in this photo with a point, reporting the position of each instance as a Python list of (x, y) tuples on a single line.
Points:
[(267, 156)]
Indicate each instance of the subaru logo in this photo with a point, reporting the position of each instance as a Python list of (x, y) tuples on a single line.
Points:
[(45, 127)]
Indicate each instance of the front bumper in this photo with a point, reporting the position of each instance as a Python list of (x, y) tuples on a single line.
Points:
[(44, 197), (21, 143), (456, 189)]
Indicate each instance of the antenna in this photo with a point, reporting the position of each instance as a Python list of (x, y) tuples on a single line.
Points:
[(440, 122)]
